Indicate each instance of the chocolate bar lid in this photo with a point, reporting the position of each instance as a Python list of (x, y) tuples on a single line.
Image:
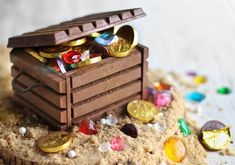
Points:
[(76, 28)]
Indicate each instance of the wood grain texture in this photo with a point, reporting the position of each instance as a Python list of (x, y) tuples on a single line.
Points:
[(45, 92), (80, 27), (37, 70)]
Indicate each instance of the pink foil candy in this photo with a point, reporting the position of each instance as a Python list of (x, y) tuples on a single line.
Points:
[(162, 99), (117, 144)]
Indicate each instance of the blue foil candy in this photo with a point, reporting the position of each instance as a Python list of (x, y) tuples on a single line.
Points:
[(105, 39), (195, 96)]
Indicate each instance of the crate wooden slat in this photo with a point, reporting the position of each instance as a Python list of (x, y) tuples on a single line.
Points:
[(57, 99), (116, 109), (109, 97), (44, 105), (32, 108), (105, 84), (104, 68)]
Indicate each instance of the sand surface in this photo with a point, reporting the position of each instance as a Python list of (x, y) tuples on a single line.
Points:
[(146, 149)]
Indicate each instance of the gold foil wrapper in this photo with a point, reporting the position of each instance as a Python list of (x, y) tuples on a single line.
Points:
[(53, 52), (35, 55), (89, 61), (216, 139), (77, 42)]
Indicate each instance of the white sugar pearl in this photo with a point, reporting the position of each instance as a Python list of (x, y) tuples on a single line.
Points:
[(72, 154), (103, 121), (104, 147), (22, 131), (149, 125)]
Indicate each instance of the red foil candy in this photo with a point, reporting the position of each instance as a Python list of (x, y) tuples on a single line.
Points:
[(88, 127), (72, 57)]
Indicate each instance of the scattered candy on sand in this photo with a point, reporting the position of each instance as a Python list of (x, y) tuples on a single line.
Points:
[(215, 135), (216, 139), (111, 120), (162, 99), (224, 90), (104, 147), (142, 110), (88, 127), (22, 131), (200, 79), (162, 86), (184, 127), (117, 144), (174, 149), (72, 154), (195, 96), (192, 73), (130, 130), (159, 126)]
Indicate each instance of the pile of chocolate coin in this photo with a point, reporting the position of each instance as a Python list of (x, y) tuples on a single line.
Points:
[(88, 50)]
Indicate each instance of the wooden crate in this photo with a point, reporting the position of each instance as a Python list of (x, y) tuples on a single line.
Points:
[(89, 92)]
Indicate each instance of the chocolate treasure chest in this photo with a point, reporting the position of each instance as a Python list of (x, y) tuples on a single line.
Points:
[(64, 74)]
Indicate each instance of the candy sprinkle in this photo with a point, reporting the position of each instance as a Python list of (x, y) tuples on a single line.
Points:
[(224, 90), (200, 79), (162, 86), (162, 99), (104, 147), (117, 144), (88, 127), (216, 139), (195, 97), (184, 127), (130, 130), (174, 149), (72, 154), (191, 73), (22, 131)]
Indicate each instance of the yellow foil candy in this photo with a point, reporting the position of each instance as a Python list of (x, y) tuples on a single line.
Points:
[(216, 139), (174, 149), (142, 110), (77, 42), (200, 80)]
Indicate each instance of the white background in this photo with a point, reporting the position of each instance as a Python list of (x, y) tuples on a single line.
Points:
[(181, 34)]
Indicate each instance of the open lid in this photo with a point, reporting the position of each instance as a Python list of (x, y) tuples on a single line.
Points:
[(76, 28)]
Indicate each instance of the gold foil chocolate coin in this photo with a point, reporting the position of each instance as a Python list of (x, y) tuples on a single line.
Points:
[(142, 110), (128, 38), (53, 52), (121, 48), (36, 55), (55, 141), (128, 33), (216, 139), (77, 42)]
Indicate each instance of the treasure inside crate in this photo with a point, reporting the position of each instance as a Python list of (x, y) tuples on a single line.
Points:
[(92, 91)]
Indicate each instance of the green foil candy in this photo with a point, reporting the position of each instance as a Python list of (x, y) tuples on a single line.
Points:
[(184, 127), (224, 90)]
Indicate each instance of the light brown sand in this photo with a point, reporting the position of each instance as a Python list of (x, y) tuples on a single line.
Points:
[(146, 149)]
